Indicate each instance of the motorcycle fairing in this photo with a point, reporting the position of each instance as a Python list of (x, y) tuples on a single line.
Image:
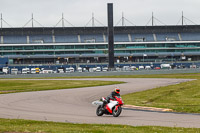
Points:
[(110, 105)]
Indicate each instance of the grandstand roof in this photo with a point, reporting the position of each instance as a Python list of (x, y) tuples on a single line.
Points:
[(96, 30)]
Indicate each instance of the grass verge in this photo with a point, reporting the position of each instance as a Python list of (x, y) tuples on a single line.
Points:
[(184, 94), (22, 126), (12, 86), (183, 97), (181, 75)]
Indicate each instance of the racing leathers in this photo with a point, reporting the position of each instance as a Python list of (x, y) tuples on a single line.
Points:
[(110, 97)]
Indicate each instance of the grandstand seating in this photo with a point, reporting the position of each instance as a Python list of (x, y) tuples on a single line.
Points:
[(14, 39), (40, 39), (89, 44), (167, 37), (99, 38), (190, 36), (121, 38), (66, 38), (142, 37), (91, 38)]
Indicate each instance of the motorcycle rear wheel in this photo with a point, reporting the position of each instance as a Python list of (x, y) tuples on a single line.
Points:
[(99, 111), (117, 112)]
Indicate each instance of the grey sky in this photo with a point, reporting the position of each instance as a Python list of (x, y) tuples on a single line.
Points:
[(79, 12)]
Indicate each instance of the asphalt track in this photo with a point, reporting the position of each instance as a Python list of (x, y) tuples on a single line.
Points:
[(74, 105)]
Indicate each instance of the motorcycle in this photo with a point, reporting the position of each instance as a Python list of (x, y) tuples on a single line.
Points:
[(112, 108)]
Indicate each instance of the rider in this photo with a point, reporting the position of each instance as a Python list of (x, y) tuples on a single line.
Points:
[(116, 92)]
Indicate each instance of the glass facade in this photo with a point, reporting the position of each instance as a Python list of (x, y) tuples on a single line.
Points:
[(91, 43), (122, 48)]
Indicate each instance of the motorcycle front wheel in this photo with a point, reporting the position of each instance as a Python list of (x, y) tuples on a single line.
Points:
[(117, 112), (99, 111)]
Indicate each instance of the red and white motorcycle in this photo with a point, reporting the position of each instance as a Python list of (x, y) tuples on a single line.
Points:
[(112, 108)]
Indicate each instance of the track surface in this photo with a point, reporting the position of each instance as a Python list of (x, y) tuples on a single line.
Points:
[(74, 105)]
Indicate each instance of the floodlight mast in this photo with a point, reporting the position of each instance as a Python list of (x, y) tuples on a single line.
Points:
[(1, 21), (182, 17), (122, 19), (63, 25), (152, 18), (92, 19), (110, 37), (32, 20)]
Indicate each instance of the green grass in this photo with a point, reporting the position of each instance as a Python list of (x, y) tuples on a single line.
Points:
[(7, 125), (178, 76), (12, 86), (181, 75), (183, 97)]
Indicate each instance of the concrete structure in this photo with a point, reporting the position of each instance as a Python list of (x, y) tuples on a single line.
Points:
[(53, 45)]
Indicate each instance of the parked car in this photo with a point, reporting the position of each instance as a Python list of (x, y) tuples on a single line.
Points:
[(132, 68), (33, 71), (165, 66), (47, 71), (105, 69), (147, 67), (141, 67), (25, 70), (79, 69), (193, 66), (60, 70), (14, 71), (98, 69), (69, 70), (157, 68), (181, 66), (85, 69), (92, 69), (37, 70), (126, 68), (5, 70)]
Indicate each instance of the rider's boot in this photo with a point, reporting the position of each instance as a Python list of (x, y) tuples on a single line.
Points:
[(103, 105)]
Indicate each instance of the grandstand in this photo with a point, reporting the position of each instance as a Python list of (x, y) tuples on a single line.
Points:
[(64, 45)]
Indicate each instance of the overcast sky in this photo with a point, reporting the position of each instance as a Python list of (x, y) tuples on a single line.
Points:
[(78, 12)]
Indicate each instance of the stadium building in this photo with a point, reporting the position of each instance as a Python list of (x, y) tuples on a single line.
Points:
[(67, 45)]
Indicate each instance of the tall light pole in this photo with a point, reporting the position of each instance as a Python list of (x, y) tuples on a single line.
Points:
[(110, 36)]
